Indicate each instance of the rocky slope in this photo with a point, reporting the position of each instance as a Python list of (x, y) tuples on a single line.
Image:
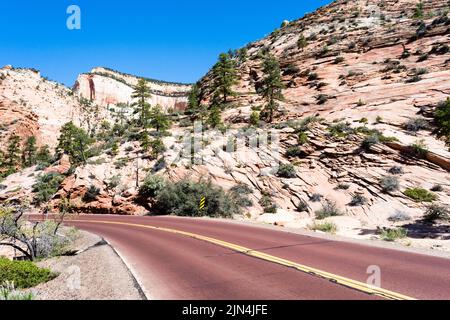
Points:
[(106, 87), (32, 105), (369, 66)]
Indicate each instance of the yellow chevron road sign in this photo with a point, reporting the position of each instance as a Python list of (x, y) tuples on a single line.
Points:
[(202, 203)]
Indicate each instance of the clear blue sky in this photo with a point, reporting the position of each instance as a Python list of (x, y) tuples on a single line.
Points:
[(170, 40)]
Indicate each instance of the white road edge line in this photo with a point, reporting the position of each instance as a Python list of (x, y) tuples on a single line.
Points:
[(133, 272)]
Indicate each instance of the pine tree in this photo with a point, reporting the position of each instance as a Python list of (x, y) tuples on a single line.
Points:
[(214, 119), (225, 77), (254, 118), (2, 159), (29, 152), (302, 43), (193, 100), (145, 141), (159, 120), (158, 147), (442, 120), (142, 93), (13, 152), (44, 156), (115, 148), (272, 88), (242, 55), (74, 142)]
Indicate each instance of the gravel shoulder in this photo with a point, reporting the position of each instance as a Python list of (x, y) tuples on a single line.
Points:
[(95, 273)]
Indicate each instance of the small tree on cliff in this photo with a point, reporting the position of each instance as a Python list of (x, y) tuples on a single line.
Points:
[(74, 142), (302, 43), (44, 156), (195, 108), (224, 78), (442, 120), (272, 87), (142, 93), (193, 100), (29, 152), (13, 152)]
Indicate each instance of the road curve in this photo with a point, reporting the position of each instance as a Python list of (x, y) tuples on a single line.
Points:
[(177, 266)]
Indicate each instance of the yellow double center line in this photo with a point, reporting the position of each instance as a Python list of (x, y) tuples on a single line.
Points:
[(353, 284)]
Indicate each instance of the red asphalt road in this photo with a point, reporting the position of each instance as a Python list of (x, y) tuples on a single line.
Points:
[(173, 266)]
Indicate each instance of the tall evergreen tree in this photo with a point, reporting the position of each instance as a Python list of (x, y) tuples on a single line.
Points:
[(159, 120), (214, 119), (13, 151), (29, 152), (142, 93), (272, 87), (193, 100), (144, 141), (224, 78), (74, 142)]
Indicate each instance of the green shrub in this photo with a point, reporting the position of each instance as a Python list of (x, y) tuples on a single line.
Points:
[(420, 195), (418, 149), (324, 227), (286, 171), (436, 212), (399, 216), (183, 199), (9, 292), (152, 186), (293, 152), (302, 206), (329, 209), (389, 184), (254, 118), (384, 139), (442, 120), (338, 59), (358, 200), (322, 98), (91, 194), (316, 197), (370, 141), (437, 188), (415, 125), (121, 162), (396, 170), (341, 129), (23, 274), (240, 193), (343, 186), (267, 204), (303, 138), (393, 234), (46, 186), (114, 181)]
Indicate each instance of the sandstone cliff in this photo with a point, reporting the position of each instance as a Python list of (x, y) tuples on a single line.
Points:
[(32, 105), (106, 87)]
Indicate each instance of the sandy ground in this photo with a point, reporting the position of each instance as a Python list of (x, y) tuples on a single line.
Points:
[(97, 273)]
